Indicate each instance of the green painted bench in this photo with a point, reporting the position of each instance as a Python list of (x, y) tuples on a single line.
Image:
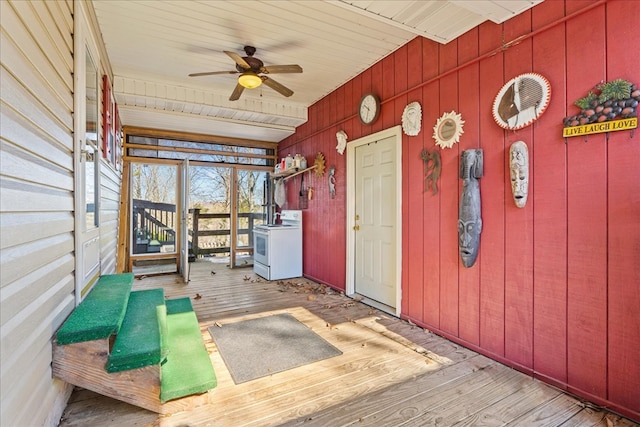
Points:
[(115, 331)]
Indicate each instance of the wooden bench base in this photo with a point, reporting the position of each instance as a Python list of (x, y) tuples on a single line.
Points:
[(82, 364), (136, 347)]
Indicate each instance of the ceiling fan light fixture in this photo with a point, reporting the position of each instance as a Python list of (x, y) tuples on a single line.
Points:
[(249, 80)]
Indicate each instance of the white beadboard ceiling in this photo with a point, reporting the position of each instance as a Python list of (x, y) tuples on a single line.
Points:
[(154, 45)]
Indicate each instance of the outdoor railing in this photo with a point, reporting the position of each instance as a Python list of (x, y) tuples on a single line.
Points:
[(154, 226), (197, 231)]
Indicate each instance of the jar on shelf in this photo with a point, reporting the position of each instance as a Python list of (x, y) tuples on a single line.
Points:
[(288, 162), (303, 162)]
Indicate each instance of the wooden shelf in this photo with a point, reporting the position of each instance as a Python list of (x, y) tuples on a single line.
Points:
[(291, 172)]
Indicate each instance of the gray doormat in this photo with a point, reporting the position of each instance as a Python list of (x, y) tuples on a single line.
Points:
[(259, 347)]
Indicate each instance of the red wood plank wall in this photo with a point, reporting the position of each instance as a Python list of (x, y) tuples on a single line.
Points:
[(555, 291)]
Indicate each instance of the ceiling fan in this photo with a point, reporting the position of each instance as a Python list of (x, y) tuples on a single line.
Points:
[(251, 71)]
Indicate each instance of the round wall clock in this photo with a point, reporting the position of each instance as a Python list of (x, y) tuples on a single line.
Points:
[(369, 109), (412, 119), (448, 129), (521, 101)]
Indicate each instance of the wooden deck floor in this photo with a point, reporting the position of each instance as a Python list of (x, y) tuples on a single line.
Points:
[(391, 373)]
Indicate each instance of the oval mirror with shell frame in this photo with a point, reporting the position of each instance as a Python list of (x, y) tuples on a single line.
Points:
[(521, 101)]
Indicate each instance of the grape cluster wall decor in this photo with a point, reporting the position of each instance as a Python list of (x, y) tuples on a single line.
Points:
[(609, 106)]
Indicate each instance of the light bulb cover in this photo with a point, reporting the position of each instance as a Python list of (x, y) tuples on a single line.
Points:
[(249, 80)]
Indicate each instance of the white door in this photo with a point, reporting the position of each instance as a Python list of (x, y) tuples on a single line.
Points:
[(184, 221), (374, 225), (87, 162)]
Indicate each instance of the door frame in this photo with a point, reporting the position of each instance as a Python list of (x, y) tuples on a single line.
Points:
[(183, 228), (86, 275), (396, 132), (131, 257)]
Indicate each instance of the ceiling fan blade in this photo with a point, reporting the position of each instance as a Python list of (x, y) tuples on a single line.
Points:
[(212, 73), (239, 59), (282, 90), (274, 69), (235, 95)]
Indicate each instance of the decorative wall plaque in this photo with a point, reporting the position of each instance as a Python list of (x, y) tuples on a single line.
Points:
[(319, 163), (608, 107), (412, 119), (448, 129), (341, 136), (521, 101)]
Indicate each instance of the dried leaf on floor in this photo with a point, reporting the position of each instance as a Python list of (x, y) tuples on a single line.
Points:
[(198, 296)]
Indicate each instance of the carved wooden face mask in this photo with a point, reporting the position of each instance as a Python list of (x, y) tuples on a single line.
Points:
[(469, 214), (519, 167)]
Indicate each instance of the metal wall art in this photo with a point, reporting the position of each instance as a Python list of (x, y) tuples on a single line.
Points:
[(448, 129), (432, 169), (319, 164), (519, 171), (521, 101), (332, 182), (341, 136), (412, 119), (609, 106), (469, 215)]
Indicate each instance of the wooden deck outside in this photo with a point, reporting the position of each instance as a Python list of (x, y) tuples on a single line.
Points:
[(391, 373)]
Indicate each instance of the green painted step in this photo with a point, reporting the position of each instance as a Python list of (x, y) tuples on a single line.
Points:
[(188, 369), (101, 313), (138, 342)]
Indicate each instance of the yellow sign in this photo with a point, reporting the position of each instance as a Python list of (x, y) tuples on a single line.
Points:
[(612, 126)]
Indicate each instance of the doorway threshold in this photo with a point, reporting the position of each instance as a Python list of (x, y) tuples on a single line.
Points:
[(373, 303)]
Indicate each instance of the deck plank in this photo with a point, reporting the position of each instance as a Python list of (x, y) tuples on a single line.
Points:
[(509, 408), (553, 413), (390, 371)]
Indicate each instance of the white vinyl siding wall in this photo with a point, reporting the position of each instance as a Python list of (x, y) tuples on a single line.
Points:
[(36, 204), (37, 264), (110, 184)]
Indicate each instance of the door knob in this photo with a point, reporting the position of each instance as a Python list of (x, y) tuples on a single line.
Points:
[(356, 227)]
